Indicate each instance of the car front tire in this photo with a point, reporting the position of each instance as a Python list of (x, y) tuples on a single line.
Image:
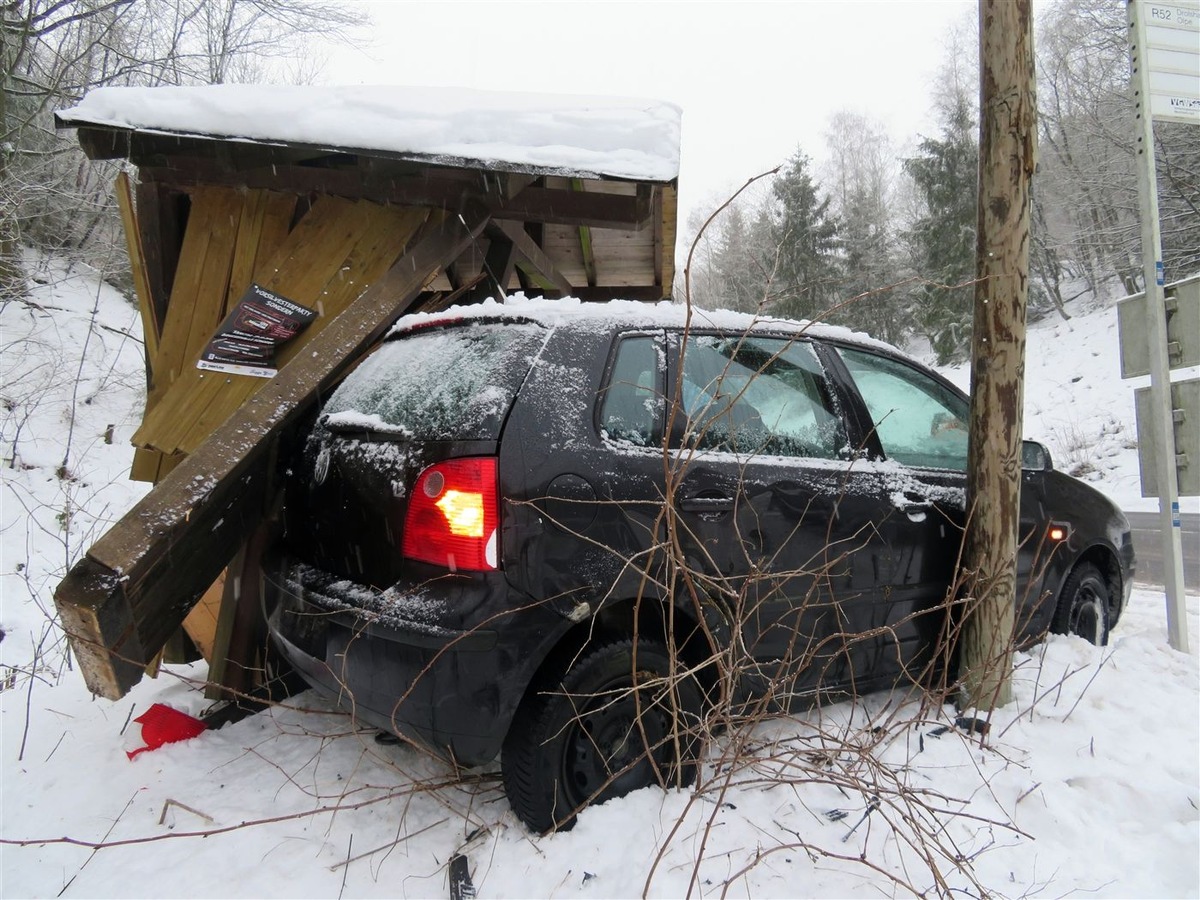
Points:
[(1083, 605)]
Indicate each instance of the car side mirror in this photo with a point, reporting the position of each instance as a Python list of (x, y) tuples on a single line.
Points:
[(1035, 457)]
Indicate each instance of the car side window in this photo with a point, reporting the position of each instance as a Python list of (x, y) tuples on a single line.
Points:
[(633, 400), (919, 422), (758, 395)]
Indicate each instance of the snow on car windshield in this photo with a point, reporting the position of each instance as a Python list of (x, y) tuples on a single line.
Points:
[(449, 384)]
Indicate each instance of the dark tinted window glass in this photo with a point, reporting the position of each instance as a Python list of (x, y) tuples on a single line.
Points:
[(758, 395), (452, 383), (632, 405)]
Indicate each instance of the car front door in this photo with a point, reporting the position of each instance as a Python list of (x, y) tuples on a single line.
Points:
[(920, 429), (775, 521)]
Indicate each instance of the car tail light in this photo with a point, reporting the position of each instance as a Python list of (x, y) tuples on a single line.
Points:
[(452, 515)]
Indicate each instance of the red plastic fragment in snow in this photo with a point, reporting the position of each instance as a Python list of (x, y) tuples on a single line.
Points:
[(163, 725)]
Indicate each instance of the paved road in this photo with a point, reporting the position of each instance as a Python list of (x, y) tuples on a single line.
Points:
[(1147, 544)]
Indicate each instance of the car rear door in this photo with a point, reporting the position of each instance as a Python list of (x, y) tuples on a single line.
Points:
[(582, 468)]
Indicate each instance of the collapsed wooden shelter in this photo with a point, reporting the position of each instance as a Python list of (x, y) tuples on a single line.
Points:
[(360, 222)]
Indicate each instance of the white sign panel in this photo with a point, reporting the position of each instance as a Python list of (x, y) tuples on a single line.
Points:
[(1172, 54)]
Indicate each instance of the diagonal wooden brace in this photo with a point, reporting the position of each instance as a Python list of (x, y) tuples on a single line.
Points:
[(137, 583)]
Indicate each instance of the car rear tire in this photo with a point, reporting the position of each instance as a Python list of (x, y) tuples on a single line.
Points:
[(575, 738), (1083, 605)]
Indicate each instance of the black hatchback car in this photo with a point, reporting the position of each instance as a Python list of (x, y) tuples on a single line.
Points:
[(560, 530)]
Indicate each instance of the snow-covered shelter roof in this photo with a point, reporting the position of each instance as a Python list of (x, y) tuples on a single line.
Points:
[(579, 136)]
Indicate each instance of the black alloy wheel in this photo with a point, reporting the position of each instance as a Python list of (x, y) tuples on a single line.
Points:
[(614, 723)]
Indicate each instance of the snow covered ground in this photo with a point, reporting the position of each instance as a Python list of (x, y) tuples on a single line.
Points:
[(1089, 783)]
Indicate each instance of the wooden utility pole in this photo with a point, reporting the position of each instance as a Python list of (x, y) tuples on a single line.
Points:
[(1007, 155)]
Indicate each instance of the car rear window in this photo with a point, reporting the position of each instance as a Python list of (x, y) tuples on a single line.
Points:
[(453, 383)]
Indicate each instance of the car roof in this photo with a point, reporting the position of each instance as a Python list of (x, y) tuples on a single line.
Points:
[(612, 315)]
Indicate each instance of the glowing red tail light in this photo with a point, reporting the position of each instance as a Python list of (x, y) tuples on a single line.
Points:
[(452, 515)]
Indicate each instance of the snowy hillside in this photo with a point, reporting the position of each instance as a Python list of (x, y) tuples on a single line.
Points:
[(1077, 404), (1088, 783)]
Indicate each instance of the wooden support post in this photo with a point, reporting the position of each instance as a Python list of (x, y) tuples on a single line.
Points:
[(121, 602), (1007, 154), (585, 242)]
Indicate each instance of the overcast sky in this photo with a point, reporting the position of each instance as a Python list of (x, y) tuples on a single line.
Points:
[(755, 80)]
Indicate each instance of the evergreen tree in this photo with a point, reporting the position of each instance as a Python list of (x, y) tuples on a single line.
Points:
[(861, 173), (869, 268), (942, 239), (805, 235)]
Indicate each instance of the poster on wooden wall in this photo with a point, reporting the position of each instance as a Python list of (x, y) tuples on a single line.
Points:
[(246, 342)]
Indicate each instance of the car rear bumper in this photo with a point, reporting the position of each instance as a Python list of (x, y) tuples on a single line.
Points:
[(410, 664)]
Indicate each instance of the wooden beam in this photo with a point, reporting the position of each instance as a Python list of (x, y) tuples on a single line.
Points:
[(498, 268), (554, 206), (515, 182), (666, 212), (585, 242), (104, 143), (532, 260), (121, 602), (408, 190), (650, 293)]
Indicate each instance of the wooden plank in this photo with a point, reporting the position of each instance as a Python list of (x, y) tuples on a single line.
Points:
[(384, 234), (201, 623), (145, 465), (561, 244), (137, 264), (241, 272), (152, 465), (204, 262), (628, 258), (212, 290), (123, 600), (270, 251), (303, 264), (665, 228)]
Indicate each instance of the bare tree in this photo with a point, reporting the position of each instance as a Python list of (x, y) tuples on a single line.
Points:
[(54, 51), (1087, 177)]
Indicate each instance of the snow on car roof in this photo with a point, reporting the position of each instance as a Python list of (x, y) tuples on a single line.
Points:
[(569, 310), (582, 136)]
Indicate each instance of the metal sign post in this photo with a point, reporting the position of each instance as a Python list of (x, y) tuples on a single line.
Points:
[(1167, 84)]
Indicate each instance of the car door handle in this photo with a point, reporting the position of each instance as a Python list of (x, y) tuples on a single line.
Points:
[(706, 503), (917, 511)]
